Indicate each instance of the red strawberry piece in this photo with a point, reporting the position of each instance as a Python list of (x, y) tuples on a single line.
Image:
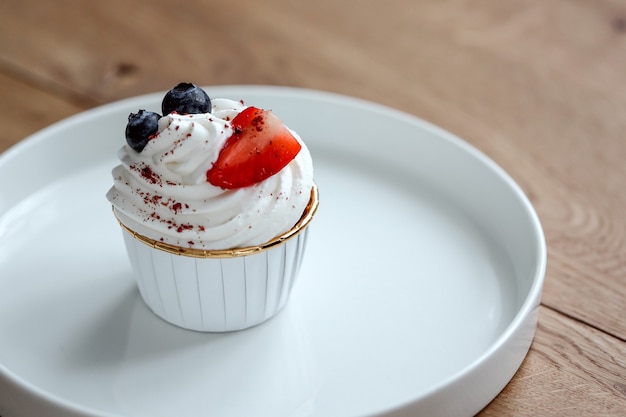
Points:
[(260, 146)]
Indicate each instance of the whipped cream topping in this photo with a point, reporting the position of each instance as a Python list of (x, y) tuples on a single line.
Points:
[(162, 192)]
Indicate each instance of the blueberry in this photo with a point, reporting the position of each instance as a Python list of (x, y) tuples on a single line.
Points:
[(141, 126), (186, 98)]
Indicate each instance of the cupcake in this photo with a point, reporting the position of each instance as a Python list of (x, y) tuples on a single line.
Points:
[(214, 198)]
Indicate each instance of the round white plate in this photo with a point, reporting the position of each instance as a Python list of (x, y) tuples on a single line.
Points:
[(418, 294)]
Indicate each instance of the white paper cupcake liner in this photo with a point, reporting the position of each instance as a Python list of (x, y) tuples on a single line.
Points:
[(218, 291)]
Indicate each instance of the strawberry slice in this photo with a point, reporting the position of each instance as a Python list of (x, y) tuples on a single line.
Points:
[(260, 146)]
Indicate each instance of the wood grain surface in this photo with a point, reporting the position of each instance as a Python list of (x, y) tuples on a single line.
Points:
[(539, 86)]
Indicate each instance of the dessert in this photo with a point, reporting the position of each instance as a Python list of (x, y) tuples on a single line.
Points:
[(212, 195)]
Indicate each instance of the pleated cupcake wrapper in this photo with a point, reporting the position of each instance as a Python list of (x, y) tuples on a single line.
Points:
[(219, 291)]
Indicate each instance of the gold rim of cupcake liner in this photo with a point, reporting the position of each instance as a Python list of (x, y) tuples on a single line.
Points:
[(306, 218)]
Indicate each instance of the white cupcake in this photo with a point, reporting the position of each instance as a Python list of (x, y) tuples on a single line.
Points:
[(214, 199)]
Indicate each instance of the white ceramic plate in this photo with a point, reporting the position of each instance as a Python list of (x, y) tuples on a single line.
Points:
[(418, 294)]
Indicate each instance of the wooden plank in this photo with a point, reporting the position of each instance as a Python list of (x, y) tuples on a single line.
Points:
[(26, 109)]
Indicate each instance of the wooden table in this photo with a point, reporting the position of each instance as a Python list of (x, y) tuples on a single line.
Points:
[(539, 86)]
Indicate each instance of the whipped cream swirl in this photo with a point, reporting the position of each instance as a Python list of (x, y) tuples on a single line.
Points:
[(162, 192)]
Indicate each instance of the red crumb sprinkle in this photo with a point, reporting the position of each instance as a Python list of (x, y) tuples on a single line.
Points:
[(154, 199), (147, 174), (176, 207), (181, 228)]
